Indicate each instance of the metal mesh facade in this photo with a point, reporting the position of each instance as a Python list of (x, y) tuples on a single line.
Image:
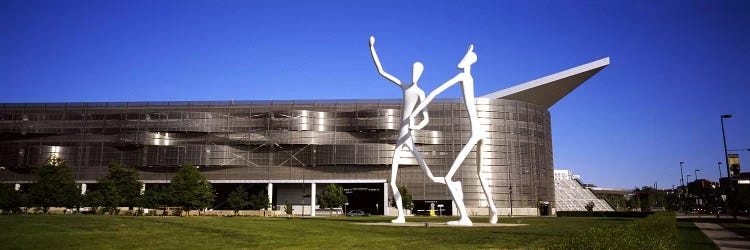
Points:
[(285, 140)]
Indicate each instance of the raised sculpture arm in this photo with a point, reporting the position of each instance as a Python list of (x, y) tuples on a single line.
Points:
[(425, 116), (380, 67)]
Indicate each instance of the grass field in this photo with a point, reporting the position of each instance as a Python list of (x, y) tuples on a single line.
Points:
[(120, 232), (691, 236)]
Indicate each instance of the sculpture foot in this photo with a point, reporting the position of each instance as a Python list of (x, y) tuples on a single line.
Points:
[(464, 221), (399, 219), (493, 217)]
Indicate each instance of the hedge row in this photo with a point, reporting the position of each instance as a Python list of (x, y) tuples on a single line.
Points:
[(620, 214), (658, 231)]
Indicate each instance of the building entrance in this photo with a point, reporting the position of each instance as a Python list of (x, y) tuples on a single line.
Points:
[(366, 197)]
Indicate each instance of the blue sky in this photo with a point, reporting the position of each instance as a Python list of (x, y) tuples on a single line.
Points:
[(676, 66)]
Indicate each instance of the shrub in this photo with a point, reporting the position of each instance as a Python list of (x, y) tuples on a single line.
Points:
[(621, 214), (288, 208)]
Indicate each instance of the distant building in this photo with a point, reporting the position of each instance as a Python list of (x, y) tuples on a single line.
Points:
[(742, 194), (571, 194)]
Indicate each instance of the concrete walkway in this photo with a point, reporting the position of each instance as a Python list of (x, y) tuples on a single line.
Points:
[(722, 237)]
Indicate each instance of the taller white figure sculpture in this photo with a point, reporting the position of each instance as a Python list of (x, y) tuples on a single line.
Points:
[(412, 95), (476, 138)]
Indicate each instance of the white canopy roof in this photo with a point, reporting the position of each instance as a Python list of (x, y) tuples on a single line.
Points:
[(546, 91)]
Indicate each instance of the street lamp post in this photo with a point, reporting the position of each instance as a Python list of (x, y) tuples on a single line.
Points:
[(696, 173), (682, 183), (698, 195), (729, 175), (682, 175), (510, 194), (687, 190), (720, 174)]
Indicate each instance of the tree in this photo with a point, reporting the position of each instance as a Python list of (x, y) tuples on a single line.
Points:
[(54, 186), (288, 208), (238, 199), (10, 199), (406, 198), (259, 200), (120, 187), (93, 200), (191, 190), (590, 206), (332, 197)]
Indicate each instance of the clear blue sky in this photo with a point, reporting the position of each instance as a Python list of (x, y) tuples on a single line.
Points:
[(676, 66)]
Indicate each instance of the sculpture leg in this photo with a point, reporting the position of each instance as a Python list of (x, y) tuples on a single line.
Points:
[(423, 165), (394, 187), (485, 186), (453, 188)]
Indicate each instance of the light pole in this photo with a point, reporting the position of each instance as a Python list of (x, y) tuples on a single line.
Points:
[(696, 173), (720, 174), (687, 190), (510, 194), (729, 175), (682, 175), (697, 194), (682, 183)]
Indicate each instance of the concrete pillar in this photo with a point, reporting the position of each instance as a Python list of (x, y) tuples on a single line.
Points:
[(386, 211), (312, 199), (269, 189), (18, 187), (143, 188), (83, 188)]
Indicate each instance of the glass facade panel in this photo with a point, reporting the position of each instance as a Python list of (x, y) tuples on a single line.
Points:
[(285, 140)]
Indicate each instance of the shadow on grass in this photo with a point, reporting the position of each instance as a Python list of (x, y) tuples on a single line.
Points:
[(691, 237)]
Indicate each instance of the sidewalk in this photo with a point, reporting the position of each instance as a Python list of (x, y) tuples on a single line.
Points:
[(723, 238)]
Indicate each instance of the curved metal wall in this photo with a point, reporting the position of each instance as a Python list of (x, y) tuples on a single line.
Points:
[(285, 140)]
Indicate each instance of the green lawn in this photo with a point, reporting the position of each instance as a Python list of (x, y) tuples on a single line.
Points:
[(121, 232), (691, 237)]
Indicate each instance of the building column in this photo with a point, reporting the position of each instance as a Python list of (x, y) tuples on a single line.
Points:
[(386, 208), (269, 190), (312, 199), (143, 188), (83, 188), (17, 186)]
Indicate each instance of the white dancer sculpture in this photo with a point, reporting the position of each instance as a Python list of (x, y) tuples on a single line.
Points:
[(476, 138), (412, 95)]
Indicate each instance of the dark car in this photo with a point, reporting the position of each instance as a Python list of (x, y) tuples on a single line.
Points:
[(357, 212)]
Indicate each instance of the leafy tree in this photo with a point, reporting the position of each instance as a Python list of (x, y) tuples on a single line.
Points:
[(93, 200), (54, 186), (191, 190), (259, 200), (288, 208), (238, 199), (155, 197), (406, 198), (590, 206), (10, 199), (332, 197), (120, 187)]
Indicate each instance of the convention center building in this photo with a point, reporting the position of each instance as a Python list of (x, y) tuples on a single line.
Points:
[(293, 149)]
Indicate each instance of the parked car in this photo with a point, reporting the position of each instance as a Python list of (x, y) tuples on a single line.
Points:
[(357, 212)]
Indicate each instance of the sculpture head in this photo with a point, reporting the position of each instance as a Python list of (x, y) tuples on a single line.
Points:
[(416, 72), (469, 59)]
